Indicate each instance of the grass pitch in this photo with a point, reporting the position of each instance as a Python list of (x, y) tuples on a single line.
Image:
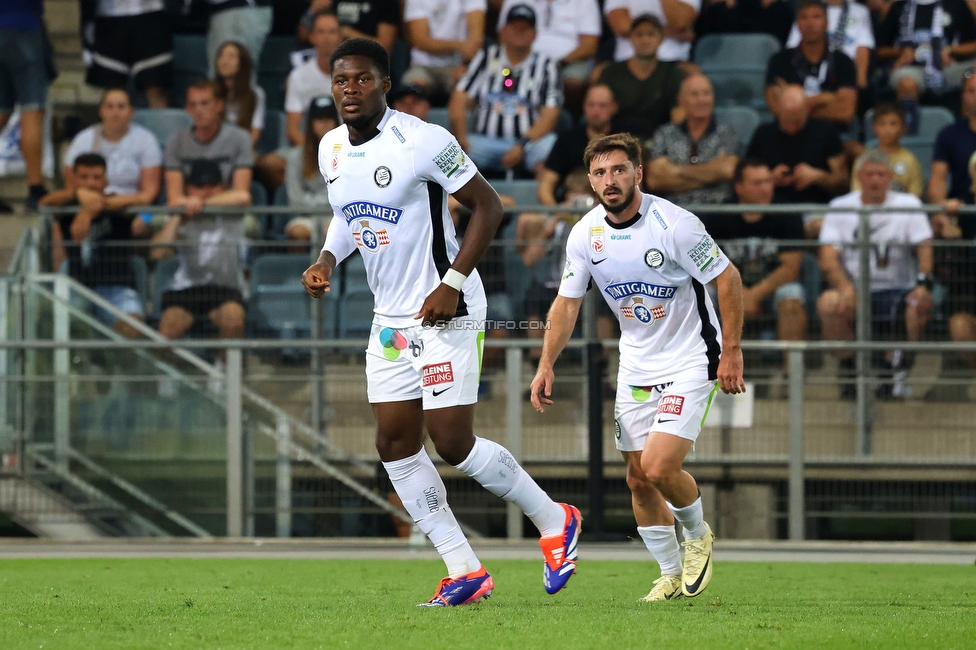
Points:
[(237, 603)]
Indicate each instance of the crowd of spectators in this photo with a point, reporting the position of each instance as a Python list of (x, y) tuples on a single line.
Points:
[(524, 85)]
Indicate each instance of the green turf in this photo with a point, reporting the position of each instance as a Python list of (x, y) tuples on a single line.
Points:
[(371, 604)]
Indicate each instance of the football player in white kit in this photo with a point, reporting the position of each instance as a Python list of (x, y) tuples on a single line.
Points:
[(389, 178), (650, 260)]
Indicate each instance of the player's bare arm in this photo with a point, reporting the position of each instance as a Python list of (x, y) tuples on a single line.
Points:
[(562, 320), (315, 279), (729, 286), (486, 215)]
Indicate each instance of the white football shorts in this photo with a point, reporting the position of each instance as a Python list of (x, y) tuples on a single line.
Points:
[(677, 407), (441, 365)]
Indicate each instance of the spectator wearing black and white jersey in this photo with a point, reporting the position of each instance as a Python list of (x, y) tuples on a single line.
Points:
[(247, 22), (516, 95), (128, 39)]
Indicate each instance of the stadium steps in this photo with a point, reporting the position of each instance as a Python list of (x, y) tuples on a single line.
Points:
[(43, 511)]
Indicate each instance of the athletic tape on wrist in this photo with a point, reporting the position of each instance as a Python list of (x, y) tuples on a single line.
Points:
[(454, 279)]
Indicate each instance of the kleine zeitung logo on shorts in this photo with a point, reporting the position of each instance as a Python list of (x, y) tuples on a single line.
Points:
[(438, 373)]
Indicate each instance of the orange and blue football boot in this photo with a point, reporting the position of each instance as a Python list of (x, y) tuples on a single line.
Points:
[(560, 552), (465, 590)]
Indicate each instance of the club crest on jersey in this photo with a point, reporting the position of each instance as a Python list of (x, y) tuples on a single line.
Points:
[(358, 209), (654, 258), (382, 177), (641, 312), (336, 148), (622, 290), (370, 239), (596, 239)]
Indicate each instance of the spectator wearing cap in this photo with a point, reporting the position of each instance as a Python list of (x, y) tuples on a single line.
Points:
[(693, 162), (211, 138), (305, 185), (676, 18), (517, 98), (645, 87), (25, 73), (828, 77), (446, 35), (313, 77), (412, 100), (568, 33), (209, 278)]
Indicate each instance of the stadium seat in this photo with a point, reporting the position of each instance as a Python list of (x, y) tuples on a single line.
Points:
[(523, 191), (353, 274), (273, 225), (163, 122), (439, 117), (741, 118), (275, 64), (931, 120), (399, 61), (735, 51), (739, 87), (162, 280), (189, 64), (141, 273), (273, 134), (355, 314), (279, 305)]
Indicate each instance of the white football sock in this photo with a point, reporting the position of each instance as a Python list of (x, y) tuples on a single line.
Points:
[(424, 497), (662, 542), (691, 519), (498, 472)]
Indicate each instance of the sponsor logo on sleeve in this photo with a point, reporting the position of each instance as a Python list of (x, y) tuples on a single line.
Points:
[(596, 239), (451, 160), (382, 176), (660, 219), (568, 270), (670, 405), (397, 133), (336, 148), (437, 374), (360, 209), (704, 253)]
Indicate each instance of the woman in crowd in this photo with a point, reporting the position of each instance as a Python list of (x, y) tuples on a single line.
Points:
[(243, 101), (303, 181)]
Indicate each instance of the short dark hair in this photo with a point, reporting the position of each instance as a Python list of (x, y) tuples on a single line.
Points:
[(115, 89), (888, 108), (206, 84), (363, 47), (745, 163), (615, 142), (803, 4), (90, 159), (647, 18), (322, 12)]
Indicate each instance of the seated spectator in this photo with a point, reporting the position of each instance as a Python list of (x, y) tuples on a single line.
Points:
[(569, 36), (304, 182), (774, 17), (764, 248), (901, 299), (243, 100), (954, 147), (306, 82), (849, 30), (676, 17), (412, 100), (693, 162), (645, 88), (97, 234), (209, 138), (123, 41), (929, 45), (247, 22), (25, 72), (208, 281), (132, 153), (446, 35), (566, 156), (379, 20), (515, 93), (828, 77), (805, 155), (888, 125)]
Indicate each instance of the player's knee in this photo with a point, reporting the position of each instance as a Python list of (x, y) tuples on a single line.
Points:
[(637, 480), (657, 473)]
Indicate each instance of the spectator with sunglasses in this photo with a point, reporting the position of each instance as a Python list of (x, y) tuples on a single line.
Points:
[(516, 95)]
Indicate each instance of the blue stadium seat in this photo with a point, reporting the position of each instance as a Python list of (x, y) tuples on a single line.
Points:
[(355, 314), (273, 134), (739, 87), (162, 280), (354, 274), (279, 305), (523, 191), (931, 120), (274, 224), (273, 69), (741, 118), (439, 117), (163, 122), (735, 51), (399, 61), (189, 64)]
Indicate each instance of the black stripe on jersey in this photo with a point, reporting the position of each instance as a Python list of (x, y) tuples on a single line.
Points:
[(438, 248), (708, 332)]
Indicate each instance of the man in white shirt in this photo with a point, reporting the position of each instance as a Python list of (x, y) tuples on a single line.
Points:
[(445, 34), (390, 175), (677, 17), (650, 260), (900, 285)]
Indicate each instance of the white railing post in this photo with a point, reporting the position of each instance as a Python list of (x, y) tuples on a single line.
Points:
[(513, 427), (283, 480), (62, 368), (796, 511), (235, 445)]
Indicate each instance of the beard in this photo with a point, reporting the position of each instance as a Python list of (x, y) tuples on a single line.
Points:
[(624, 200)]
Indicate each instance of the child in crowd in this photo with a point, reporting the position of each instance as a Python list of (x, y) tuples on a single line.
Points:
[(888, 126)]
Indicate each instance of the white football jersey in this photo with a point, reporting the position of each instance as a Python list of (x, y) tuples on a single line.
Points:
[(652, 270), (389, 196)]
